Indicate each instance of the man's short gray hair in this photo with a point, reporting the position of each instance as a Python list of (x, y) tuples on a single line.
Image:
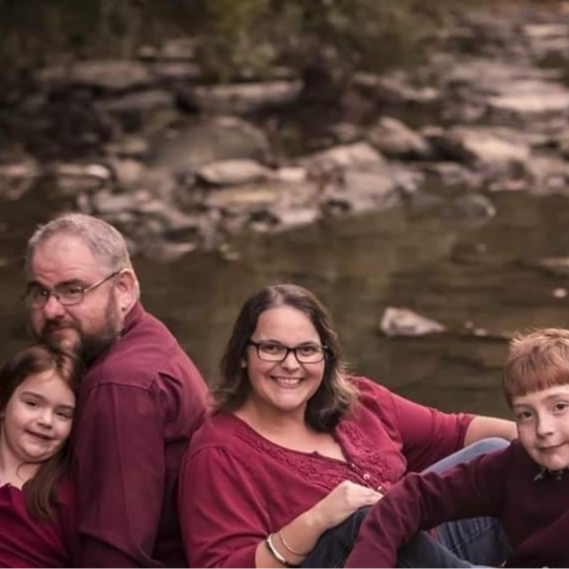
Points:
[(103, 240)]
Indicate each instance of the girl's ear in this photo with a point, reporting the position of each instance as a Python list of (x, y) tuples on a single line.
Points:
[(243, 363)]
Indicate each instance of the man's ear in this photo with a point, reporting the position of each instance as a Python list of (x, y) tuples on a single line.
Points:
[(127, 289)]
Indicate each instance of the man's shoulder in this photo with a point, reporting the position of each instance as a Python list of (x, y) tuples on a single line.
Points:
[(145, 353)]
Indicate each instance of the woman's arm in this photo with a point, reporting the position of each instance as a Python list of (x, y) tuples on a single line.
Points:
[(483, 427), (295, 541), (225, 512)]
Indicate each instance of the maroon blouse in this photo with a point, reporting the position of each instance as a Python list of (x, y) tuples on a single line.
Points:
[(236, 487), (27, 542)]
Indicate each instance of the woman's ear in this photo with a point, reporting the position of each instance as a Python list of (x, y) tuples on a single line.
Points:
[(243, 363)]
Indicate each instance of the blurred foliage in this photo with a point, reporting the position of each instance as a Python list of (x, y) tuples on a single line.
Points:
[(235, 38)]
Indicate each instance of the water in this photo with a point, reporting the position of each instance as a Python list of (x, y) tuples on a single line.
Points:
[(444, 269)]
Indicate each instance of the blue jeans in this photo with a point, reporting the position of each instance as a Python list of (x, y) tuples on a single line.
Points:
[(464, 543)]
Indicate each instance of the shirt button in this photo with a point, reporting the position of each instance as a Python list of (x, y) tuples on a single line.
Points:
[(366, 476)]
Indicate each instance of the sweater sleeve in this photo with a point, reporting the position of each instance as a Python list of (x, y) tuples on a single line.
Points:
[(222, 514), (422, 502), (427, 434)]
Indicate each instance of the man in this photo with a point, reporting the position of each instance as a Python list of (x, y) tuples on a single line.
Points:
[(139, 403)]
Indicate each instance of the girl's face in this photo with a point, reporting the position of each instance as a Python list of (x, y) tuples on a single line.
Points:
[(37, 419)]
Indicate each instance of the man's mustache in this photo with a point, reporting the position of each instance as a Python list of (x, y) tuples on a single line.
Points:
[(54, 325)]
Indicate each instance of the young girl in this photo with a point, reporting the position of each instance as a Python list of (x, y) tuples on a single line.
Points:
[(37, 401)]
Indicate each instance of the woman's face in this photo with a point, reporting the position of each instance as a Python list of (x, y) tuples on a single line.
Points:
[(283, 387)]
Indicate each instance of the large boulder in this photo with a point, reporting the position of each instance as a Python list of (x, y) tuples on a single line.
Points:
[(394, 139), (209, 140)]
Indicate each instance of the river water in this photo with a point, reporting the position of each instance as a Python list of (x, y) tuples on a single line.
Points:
[(442, 268)]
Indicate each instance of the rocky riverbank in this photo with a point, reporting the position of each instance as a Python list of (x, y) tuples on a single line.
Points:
[(180, 165)]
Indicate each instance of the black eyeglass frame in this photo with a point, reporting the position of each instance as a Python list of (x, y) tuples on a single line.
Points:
[(47, 293), (288, 350)]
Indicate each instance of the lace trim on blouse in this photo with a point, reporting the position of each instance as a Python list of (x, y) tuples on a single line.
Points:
[(365, 465)]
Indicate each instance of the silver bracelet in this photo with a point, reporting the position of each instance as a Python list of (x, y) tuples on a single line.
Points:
[(276, 553), (288, 547)]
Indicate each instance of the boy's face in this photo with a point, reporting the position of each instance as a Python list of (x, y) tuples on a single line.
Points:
[(542, 418)]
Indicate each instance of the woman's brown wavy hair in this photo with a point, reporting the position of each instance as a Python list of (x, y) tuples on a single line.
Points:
[(335, 396), (41, 491)]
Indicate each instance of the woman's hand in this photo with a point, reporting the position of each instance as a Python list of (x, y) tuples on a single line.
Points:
[(344, 500)]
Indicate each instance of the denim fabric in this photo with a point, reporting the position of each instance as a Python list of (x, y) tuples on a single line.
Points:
[(465, 543)]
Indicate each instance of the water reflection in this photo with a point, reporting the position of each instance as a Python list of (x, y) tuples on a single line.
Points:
[(437, 266)]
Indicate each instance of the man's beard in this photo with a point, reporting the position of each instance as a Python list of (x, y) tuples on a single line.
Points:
[(85, 346)]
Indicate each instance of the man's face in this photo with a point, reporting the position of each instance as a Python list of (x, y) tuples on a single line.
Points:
[(87, 327)]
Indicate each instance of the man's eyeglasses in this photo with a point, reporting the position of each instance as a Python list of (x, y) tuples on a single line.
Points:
[(67, 294), (275, 352)]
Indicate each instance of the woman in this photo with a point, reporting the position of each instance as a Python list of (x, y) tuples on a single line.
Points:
[(295, 446)]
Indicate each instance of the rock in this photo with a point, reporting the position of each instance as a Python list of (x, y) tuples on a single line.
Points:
[(178, 49), (98, 171), (294, 217), (174, 224), (281, 219), (547, 38), (351, 155), (540, 102), (453, 174), (493, 76), (555, 266), (471, 207), (176, 71), (471, 330), (17, 178), (392, 138), (545, 30), (547, 175), (394, 88), (559, 293), (129, 147), (108, 75), (290, 175), (233, 172), (494, 148), (73, 179), (140, 102), (242, 98), (369, 190), (221, 138), (105, 203), (405, 322), (128, 173), (242, 197)]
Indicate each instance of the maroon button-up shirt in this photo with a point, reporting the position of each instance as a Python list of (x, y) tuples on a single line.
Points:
[(139, 404)]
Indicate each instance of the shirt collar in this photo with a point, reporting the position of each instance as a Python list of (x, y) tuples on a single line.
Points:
[(544, 473)]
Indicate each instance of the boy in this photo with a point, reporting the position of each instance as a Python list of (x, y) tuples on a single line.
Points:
[(526, 486)]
